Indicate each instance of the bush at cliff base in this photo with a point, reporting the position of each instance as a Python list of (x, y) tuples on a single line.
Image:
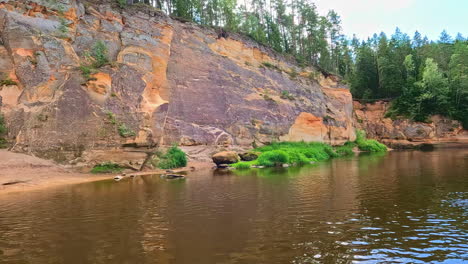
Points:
[(279, 153), (297, 153), (173, 158), (370, 145)]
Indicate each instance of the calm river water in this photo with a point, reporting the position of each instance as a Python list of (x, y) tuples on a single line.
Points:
[(402, 207)]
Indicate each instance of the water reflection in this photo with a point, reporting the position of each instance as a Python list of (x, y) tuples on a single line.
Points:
[(399, 207)]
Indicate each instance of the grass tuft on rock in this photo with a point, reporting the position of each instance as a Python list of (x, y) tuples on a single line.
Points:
[(125, 132), (3, 131), (107, 167)]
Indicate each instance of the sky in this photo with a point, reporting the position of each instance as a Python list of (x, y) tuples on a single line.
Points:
[(429, 17)]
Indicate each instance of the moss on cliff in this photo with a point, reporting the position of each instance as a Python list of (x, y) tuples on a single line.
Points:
[(3, 130)]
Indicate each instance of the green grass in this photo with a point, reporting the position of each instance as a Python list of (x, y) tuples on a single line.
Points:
[(3, 131), (279, 153), (107, 167), (7, 81), (125, 132), (369, 145), (346, 149), (297, 153), (286, 95), (173, 158), (270, 66)]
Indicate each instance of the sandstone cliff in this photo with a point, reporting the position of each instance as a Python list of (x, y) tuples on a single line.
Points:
[(169, 82), (403, 133)]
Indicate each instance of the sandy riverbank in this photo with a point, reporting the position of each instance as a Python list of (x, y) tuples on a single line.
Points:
[(21, 172)]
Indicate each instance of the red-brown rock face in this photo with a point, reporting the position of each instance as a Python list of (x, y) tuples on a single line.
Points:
[(403, 133), (168, 82)]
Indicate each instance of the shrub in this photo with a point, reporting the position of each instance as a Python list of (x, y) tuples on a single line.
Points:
[(107, 167), (273, 158), (86, 71), (370, 145), (346, 149), (99, 54), (125, 132), (286, 95), (3, 130), (97, 58), (174, 158), (296, 156), (122, 3), (270, 66), (7, 81), (111, 117)]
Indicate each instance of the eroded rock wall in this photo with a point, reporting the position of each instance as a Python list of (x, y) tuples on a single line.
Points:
[(403, 133), (168, 82)]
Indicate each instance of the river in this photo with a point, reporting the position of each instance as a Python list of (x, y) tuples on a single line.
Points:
[(401, 207)]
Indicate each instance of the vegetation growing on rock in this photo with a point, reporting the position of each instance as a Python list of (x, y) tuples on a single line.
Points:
[(7, 81), (369, 145), (173, 158), (107, 167), (3, 131), (125, 132), (95, 59), (279, 153)]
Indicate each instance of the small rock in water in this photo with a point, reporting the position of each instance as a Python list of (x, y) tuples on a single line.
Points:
[(312, 162), (174, 176), (285, 165), (118, 177)]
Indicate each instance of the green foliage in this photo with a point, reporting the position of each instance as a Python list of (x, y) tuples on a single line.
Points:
[(346, 149), (3, 131), (125, 132), (107, 167), (99, 54), (273, 158), (270, 66), (286, 95), (244, 164), (96, 59), (370, 145), (173, 158), (122, 3), (111, 117), (423, 78), (86, 71), (268, 98), (63, 27), (7, 81)]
